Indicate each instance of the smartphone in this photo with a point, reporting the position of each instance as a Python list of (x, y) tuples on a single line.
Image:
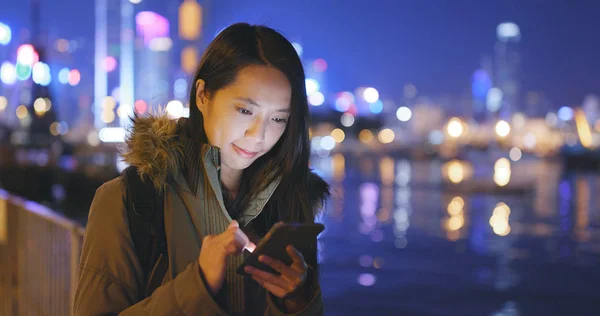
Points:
[(301, 236)]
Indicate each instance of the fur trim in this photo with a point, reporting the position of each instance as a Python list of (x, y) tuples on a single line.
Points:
[(152, 148)]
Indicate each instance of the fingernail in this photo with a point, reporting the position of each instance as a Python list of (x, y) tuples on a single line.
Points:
[(263, 259), (248, 269)]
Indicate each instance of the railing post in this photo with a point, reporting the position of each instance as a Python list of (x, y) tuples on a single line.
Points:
[(75, 253)]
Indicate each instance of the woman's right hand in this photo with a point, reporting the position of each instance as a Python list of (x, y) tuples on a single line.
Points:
[(214, 253)]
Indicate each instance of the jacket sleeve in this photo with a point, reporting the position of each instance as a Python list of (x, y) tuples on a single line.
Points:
[(110, 274), (313, 308)]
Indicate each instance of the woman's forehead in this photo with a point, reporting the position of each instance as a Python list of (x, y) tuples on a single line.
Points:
[(261, 85)]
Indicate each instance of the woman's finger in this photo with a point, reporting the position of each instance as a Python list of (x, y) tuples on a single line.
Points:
[(270, 278), (280, 267), (297, 258)]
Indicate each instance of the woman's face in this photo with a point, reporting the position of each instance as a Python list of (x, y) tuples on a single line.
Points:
[(246, 118)]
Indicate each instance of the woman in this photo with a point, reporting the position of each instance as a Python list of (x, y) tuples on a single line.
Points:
[(239, 164)]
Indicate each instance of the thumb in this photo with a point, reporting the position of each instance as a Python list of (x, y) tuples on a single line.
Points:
[(233, 223)]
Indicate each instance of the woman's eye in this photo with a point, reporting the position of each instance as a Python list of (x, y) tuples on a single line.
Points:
[(280, 120), (244, 111)]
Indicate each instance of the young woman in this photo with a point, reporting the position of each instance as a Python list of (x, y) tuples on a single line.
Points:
[(237, 166)]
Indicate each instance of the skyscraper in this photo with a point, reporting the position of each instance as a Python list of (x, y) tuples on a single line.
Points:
[(508, 67), (152, 62), (113, 63)]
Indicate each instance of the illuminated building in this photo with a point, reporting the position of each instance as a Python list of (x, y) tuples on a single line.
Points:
[(152, 62), (508, 67)]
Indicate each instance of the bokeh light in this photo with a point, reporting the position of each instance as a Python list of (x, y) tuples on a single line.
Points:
[(23, 72), (26, 55), (5, 34), (343, 101), (41, 74), (63, 75), (365, 136), (338, 135), (110, 63), (316, 99), (74, 77), (455, 127), (499, 221), (8, 73), (502, 172), (3, 103), (347, 119), (565, 113), (403, 114), (327, 142), (320, 65), (22, 112), (140, 106), (175, 109), (376, 107), (371, 95), (456, 172), (515, 154), (366, 279), (502, 128), (494, 99), (312, 86), (386, 136)]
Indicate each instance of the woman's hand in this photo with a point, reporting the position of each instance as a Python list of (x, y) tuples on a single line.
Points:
[(214, 253), (289, 284)]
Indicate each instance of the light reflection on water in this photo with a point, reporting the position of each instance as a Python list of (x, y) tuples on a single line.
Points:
[(394, 232)]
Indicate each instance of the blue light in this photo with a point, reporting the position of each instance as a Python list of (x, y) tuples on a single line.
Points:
[(376, 107), (179, 88), (23, 72), (63, 76), (481, 84), (436, 137), (565, 113)]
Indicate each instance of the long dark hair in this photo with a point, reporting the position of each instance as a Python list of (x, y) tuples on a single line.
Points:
[(239, 46)]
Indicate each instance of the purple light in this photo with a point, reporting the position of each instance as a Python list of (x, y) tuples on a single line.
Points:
[(369, 192), (151, 25), (343, 101), (366, 279)]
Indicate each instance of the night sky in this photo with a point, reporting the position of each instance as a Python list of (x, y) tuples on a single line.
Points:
[(434, 44)]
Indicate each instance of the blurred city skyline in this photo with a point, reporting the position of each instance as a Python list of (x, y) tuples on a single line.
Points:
[(435, 46)]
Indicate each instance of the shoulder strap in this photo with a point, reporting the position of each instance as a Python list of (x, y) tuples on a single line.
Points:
[(145, 211)]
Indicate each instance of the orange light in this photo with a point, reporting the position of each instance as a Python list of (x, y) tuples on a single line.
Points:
[(190, 20)]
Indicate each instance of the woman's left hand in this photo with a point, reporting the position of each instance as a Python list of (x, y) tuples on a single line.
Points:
[(292, 277)]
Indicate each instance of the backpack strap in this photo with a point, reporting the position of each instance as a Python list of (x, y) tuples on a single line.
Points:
[(145, 211)]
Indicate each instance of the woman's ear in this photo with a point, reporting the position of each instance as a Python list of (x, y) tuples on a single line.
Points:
[(201, 98)]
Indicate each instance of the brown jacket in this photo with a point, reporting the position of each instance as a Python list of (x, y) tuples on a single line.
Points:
[(111, 279)]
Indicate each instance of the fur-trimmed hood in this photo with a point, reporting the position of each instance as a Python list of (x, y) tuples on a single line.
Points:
[(153, 147)]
